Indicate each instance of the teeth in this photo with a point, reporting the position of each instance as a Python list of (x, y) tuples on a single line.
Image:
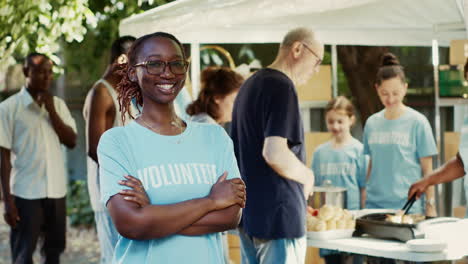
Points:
[(165, 86)]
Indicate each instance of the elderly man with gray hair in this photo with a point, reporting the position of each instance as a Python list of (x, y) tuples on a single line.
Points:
[(268, 138)]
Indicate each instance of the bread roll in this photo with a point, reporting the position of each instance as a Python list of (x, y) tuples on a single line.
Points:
[(311, 222), (341, 224), (347, 214), (320, 226), (350, 224), (331, 224), (326, 212)]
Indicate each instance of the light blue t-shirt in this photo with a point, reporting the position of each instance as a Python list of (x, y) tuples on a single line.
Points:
[(463, 150), (395, 147), (345, 167), (172, 169)]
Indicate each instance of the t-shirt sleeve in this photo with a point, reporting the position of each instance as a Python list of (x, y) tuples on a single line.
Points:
[(228, 161), (425, 143), (282, 112), (65, 114), (6, 126), (316, 169), (113, 165), (463, 149), (363, 163), (365, 139)]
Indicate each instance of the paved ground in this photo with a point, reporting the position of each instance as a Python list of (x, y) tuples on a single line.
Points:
[(82, 245)]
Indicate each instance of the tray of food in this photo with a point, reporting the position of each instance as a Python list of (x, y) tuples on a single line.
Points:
[(329, 222)]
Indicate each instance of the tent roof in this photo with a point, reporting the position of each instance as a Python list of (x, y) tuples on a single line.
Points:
[(352, 22)]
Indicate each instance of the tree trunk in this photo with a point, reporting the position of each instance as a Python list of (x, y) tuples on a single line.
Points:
[(360, 65)]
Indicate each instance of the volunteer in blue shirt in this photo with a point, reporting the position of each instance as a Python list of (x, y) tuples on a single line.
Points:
[(178, 162), (453, 169), (341, 160), (400, 143)]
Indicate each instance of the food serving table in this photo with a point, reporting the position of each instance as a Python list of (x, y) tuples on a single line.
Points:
[(454, 234), (392, 249)]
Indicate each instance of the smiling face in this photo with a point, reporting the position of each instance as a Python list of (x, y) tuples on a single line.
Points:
[(339, 123), (391, 92), (161, 88)]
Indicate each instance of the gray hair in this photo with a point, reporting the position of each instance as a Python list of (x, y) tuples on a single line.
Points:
[(298, 34)]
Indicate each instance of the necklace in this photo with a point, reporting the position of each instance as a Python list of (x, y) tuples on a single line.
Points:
[(175, 123)]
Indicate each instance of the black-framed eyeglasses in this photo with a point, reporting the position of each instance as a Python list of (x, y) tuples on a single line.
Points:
[(319, 60), (158, 66)]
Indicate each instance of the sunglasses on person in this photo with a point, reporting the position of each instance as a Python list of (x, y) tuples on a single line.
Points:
[(319, 60), (156, 67)]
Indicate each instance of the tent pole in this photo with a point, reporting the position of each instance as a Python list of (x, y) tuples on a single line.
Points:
[(195, 68), (334, 65)]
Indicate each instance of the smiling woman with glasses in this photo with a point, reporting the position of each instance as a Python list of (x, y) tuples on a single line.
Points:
[(187, 170)]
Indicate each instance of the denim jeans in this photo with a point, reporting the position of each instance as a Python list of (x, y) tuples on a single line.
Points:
[(276, 251)]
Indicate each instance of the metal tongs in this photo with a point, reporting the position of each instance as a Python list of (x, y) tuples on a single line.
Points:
[(408, 205)]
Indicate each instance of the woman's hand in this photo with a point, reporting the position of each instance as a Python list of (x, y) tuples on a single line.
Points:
[(228, 192), (137, 194)]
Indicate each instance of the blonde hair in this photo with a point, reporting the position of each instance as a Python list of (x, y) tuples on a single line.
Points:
[(341, 103)]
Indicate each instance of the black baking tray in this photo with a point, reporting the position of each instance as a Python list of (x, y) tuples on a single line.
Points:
[(376, 226)]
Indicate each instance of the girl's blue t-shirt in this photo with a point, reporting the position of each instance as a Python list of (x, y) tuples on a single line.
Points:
[(345, 167), (395, 148), (172, 169), (463, 149)]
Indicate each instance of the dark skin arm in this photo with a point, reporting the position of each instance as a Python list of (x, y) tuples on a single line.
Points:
[(11, 212), (215, 221), (101, 114), (64, 132), (157, 221), (451, 170)]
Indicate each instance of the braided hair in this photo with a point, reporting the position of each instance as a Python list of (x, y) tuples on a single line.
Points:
[(128, 89)]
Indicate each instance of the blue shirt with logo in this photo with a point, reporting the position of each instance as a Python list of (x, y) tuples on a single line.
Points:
[(172, 169), (345, 167), (395, 148)]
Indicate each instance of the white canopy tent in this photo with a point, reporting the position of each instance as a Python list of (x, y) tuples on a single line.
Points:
[(337, 22), (348, 22)]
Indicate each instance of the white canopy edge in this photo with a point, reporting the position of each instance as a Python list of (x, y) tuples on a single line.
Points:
[(339, 22)]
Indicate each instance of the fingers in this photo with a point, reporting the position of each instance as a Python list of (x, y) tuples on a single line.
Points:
[(135, 196), (223, 177), (133, 183)]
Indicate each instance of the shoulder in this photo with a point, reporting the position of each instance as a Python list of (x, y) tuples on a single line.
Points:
[(10, 101), (114, 134), (417, 116), (212, 133), (356, 146), (323, 147), (379, 116)]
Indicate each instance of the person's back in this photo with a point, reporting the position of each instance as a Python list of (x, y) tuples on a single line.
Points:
[(263, 93), (268, 139), (101, 112)]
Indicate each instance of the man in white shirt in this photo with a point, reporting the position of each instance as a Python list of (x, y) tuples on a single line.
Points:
[(33, 126)]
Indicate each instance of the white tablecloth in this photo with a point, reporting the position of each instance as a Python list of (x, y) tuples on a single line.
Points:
[(455, 235)]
